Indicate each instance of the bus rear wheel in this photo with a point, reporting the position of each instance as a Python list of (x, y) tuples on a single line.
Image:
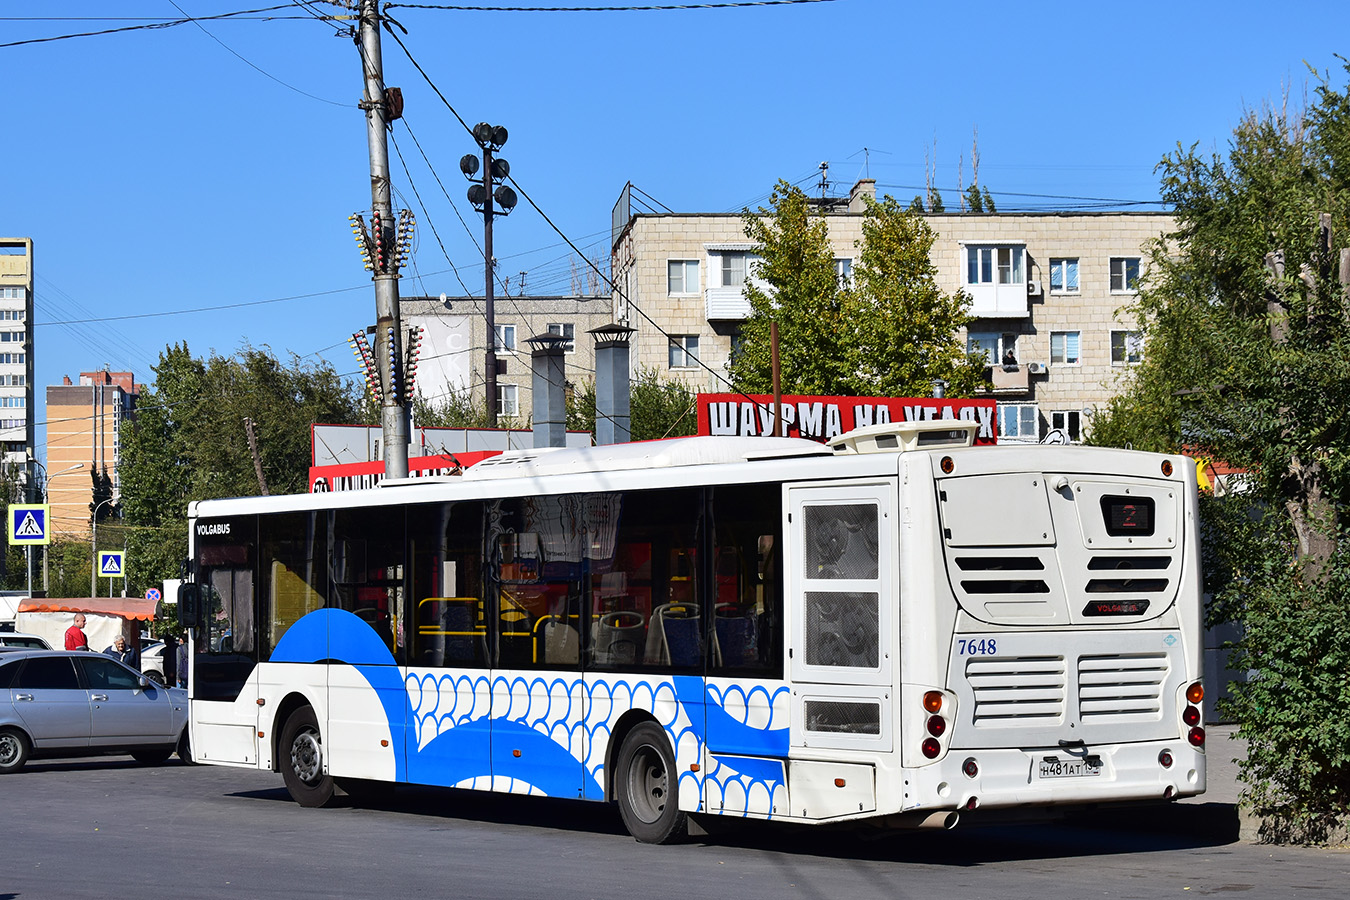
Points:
[(646, 786), (302, 762)]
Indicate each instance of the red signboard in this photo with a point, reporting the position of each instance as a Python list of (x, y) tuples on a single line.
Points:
[(821, 418), (354, 476)]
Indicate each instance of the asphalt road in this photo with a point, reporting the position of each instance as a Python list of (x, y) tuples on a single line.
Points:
[(109, 828)]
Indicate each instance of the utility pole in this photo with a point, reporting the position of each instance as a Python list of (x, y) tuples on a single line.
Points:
[(385, 239)]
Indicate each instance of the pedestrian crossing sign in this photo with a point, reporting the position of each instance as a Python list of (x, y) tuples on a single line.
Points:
[(110, 564), (28, 523)]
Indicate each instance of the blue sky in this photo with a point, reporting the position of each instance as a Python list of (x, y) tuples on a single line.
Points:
[(170, 171)]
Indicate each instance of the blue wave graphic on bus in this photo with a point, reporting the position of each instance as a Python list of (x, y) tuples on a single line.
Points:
[(539, 745)]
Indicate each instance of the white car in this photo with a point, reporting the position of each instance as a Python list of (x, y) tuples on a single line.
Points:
[(152, 660), (14, 640)]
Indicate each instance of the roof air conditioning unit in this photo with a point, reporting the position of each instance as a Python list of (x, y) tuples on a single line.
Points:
[(1033, 288), (1036, 368)]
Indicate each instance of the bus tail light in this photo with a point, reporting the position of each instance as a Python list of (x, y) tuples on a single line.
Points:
[(932, 701), (931, 748), (970, 768), (936, 725), (1165, 759), (1196, 736), (1195, 693), (1191, 716)]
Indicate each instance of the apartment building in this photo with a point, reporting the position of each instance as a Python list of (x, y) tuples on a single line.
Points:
[(84, 430), (17, 423), (454, 344), (1049, 294)]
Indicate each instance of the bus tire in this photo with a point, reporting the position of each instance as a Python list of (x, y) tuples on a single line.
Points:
[(646, 786), (14, 750), (302, 762)]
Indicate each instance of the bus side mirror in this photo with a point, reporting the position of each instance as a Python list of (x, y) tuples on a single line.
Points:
[(189, 604)]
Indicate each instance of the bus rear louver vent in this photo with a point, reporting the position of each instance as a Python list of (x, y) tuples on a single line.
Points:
[(1127, 684), (1017, 690)]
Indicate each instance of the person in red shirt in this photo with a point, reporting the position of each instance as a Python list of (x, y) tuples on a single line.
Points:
[(75, 639)]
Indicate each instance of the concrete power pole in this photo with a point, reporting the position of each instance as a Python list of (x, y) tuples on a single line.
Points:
[(388, 337)]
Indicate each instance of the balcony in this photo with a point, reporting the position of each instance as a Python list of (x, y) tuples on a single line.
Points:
[(1010, 379), (725, 304), (999, 301)]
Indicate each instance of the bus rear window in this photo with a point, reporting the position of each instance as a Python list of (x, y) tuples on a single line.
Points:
[(1128, 516)]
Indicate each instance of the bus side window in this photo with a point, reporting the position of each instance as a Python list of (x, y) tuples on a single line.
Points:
[(446, 585), (748, 594), (645, 608), (366, 570)]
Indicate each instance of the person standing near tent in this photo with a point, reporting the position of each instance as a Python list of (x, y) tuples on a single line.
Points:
[(75, 637)]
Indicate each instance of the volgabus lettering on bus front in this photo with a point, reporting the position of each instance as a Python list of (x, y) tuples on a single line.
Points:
[(820, 418)]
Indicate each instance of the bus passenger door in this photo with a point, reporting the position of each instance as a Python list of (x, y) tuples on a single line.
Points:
[(842, 588)]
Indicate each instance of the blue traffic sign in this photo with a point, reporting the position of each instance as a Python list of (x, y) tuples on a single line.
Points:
[(110, 564), (28, 523)]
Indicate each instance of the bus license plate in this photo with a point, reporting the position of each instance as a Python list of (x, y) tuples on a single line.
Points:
[(1068, 768)]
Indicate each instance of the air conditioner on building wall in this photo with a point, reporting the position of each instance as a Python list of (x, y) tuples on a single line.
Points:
[(1036, 368), (1033, 288)]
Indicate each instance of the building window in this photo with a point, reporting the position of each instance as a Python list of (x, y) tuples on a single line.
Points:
[(506, 338), (1064, 348), (12, 358), (11, 293), (15, 337), (843, 272), (997, 348), (682, 276), (994, 265), (1124, 273), (13, 401), (1067, 422), (1064, 276), (567, 330), (508, 400), (733, 271), (683, 351), (1127, 347), (1018, 422)]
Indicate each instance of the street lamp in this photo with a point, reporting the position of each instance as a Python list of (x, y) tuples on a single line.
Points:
[(490, 138), (93, 550)]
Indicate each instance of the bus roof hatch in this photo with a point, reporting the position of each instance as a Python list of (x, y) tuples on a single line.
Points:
[(899, 437)]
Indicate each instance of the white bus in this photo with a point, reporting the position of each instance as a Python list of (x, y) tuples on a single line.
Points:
[(898, 628)]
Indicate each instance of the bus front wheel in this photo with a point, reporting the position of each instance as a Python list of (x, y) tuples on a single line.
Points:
[(302, 762), (646, 786)]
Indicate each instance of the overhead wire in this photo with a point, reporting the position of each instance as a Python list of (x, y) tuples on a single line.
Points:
[(166, 23), (628, 302), (666, 7), (253, 65)]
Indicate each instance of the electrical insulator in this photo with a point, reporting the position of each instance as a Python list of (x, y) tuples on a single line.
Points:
[(361, 347), (377, 227), (362, 240), (414, 352)]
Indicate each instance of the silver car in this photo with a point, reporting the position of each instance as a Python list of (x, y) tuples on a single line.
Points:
[(63, 703)]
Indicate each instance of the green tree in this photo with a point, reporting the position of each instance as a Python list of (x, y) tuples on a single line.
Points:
[(901, 320), (891, 331), (189, 442), (815, 353), (1247, 360)]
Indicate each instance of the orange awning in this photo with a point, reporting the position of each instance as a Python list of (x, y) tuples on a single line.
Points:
[(126, 607)]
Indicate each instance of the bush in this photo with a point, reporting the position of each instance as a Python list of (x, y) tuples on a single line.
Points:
[(1294, 708)]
